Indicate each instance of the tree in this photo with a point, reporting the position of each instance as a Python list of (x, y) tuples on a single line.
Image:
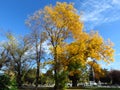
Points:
[(88, 45), (30, 76), (59, 22), (18, 55), (49, 77), (105, 78), (4, 55), (36, 38), (75, 71), (115, 76), (95, 71)]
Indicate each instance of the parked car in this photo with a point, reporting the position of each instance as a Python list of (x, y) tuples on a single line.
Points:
[(93, 83)]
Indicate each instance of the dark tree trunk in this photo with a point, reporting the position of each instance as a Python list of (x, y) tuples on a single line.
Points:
[(74, 82), (56, 87), (37, 74), (91, 76), (19, 81), (38, 58)]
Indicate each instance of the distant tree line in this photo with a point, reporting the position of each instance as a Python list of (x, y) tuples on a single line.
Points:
[(111, 77)]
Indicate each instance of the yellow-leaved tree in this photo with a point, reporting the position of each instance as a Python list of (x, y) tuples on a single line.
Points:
[(88, 45), (60, 23)]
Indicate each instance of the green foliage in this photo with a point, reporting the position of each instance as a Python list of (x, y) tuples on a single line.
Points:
[(30, 76), (62, 78), (6, 83), (13, 85)]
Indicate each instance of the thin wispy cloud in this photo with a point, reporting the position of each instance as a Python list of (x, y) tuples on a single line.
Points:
[(117, 54), (96, 12), (46, 47)]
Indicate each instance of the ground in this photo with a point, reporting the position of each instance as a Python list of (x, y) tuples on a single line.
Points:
[(73, 89)]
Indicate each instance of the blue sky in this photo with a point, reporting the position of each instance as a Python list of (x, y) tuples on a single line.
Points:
[(100, 15)]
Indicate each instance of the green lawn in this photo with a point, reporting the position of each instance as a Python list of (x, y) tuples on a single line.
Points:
[(74, 89), (96, 89)]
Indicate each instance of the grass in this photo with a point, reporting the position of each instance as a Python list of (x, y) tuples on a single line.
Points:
[(97, 89), (42, 88), (73, 89)]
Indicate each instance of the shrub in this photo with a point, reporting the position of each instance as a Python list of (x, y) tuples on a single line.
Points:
[(6, 83), (62, 80)]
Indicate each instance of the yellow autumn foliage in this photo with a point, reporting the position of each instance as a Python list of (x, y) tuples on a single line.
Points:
[(72, 73), (97, 69), (59, 23), (64, 15)]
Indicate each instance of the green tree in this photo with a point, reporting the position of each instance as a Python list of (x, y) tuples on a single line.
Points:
[(30, 76), (18, 55), (4, 59)]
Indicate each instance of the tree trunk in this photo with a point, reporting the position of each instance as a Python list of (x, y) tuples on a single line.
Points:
[(38, 53), (74, 82), (56, 87), (37, 74), (19, 81), (37, 71)]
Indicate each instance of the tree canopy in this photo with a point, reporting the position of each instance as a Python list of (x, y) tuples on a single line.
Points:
[(69, 45)]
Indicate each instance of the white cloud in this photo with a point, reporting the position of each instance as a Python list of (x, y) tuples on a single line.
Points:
[(96, 12), (116, 2), (46, 47)]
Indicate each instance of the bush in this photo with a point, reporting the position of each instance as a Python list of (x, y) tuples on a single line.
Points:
[(62, 80), (6, 83)]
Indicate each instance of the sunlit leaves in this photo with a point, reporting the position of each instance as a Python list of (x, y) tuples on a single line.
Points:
[(60, 22), (63, 15)]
